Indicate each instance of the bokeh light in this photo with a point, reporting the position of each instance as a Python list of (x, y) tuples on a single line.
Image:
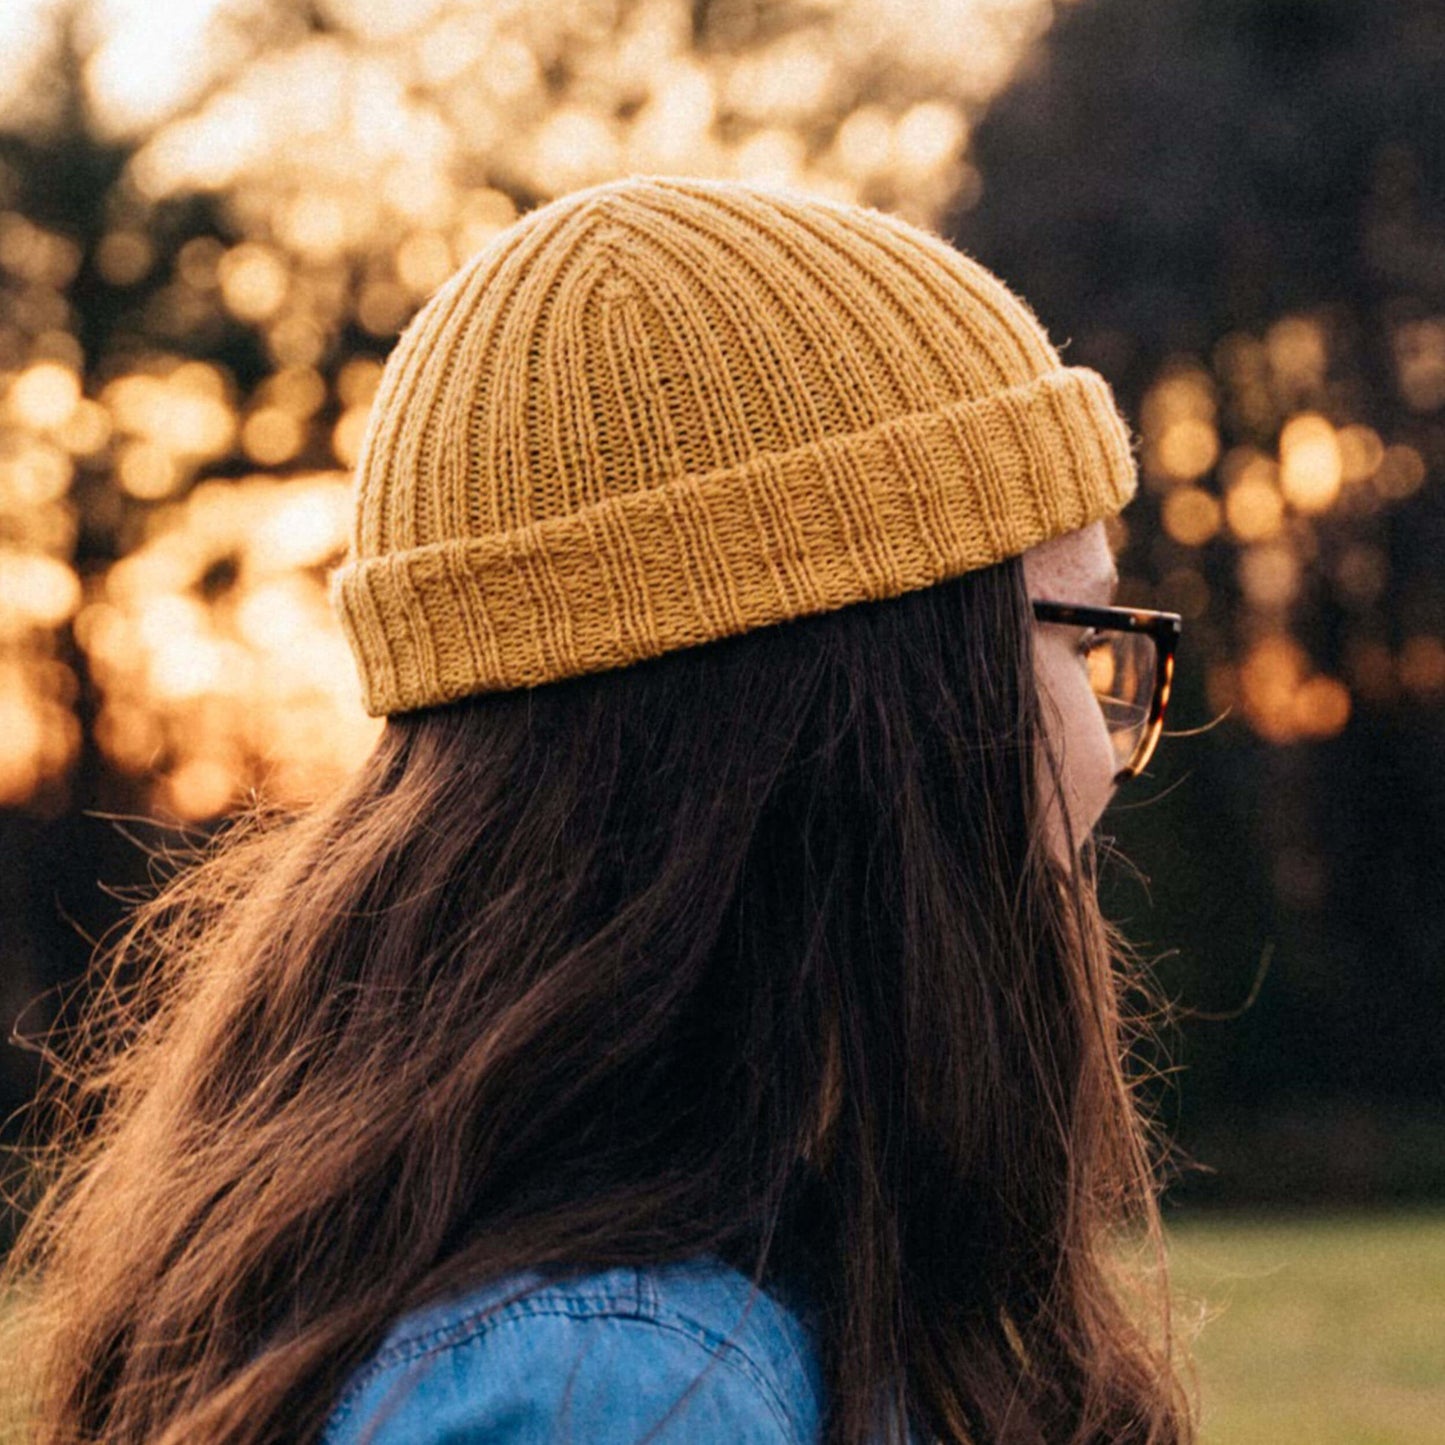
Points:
[(1311, 468), (1254, 446), (349, 168), (215, 650), (1284, 699)]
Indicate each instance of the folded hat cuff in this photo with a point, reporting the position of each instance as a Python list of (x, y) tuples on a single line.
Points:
[(866, 515)]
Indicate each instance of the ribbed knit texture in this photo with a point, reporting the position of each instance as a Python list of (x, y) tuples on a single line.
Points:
[(664, 410)]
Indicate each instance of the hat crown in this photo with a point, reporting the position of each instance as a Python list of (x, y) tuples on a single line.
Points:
[(664, 410), (656, 328)]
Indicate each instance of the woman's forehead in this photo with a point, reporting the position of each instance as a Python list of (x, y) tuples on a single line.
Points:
[(1077, 564)]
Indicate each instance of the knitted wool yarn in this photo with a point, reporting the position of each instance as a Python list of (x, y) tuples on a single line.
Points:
[(664, 410)]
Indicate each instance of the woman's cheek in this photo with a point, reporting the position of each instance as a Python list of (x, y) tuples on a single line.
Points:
[(1078, 734)]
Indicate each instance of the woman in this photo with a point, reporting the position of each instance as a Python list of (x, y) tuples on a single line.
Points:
[(694, 1022)]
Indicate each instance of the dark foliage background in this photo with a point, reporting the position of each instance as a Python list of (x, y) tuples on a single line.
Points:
[(1163, 176)]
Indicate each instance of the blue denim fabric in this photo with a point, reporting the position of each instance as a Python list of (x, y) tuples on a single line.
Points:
[(600, 1357)]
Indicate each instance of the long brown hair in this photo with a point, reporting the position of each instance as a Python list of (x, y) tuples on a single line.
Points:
[(754, 949)]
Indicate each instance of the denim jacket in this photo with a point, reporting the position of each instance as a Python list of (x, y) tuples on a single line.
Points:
[(600, 1357)]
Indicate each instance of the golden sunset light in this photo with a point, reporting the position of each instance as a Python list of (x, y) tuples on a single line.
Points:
[(1087, 355)]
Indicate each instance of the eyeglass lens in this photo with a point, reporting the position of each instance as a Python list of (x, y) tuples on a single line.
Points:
[(1121, 668)]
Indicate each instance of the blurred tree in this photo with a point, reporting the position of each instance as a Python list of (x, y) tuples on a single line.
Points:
[(211, 230), (1247, 198)]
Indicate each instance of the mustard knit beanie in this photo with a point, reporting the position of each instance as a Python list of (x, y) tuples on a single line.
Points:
[(664, 410)]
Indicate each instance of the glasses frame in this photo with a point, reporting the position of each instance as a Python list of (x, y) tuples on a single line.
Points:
[(1162, 627)]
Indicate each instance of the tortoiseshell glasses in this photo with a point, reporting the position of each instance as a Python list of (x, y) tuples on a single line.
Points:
[(1129, 653)]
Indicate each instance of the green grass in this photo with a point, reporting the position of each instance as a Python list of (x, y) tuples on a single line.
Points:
[(1330, 1331), (1324, 1330)]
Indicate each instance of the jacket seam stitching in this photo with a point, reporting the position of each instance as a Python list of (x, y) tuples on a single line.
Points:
[(471, 1325), (468, 1330)]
